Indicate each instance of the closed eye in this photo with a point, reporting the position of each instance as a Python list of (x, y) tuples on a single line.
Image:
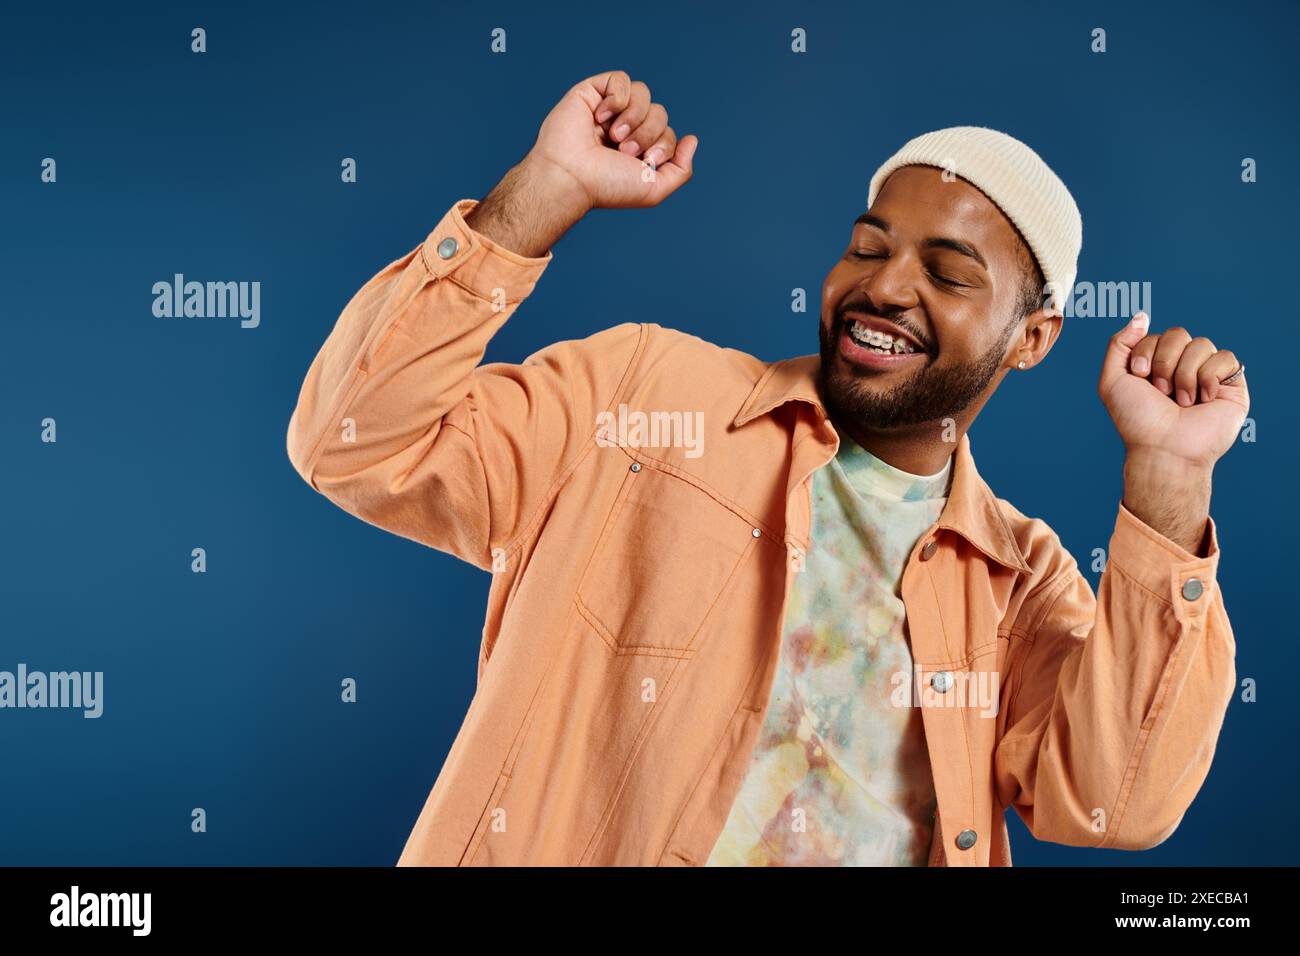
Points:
[(943, 280)]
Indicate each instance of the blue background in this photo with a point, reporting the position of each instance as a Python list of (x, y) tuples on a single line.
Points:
[(222, 689)]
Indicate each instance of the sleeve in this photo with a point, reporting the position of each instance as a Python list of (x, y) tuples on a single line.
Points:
[(398, 423), (1117, 703)]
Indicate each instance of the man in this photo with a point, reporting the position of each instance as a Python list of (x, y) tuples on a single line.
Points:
[(751, 613)]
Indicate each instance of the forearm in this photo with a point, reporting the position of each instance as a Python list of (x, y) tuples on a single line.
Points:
[(530, 209), (1169, 496)]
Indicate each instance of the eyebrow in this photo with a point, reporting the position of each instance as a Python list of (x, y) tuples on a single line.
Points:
[(954, 245)]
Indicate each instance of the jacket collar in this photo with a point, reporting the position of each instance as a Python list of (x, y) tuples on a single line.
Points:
[(971, 510)]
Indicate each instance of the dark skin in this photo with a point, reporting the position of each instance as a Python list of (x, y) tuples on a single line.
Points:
[(917, 264)]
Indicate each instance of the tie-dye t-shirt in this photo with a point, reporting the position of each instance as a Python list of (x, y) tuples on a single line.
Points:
[(840, 776)]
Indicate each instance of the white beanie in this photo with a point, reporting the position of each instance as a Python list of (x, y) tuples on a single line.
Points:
[(1016, 178)]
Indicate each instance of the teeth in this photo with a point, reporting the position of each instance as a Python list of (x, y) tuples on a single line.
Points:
[(880, 340)]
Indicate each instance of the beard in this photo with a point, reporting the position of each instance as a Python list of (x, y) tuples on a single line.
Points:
[(926, 395)]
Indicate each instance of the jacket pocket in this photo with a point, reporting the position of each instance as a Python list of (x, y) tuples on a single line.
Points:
[(663, 560)]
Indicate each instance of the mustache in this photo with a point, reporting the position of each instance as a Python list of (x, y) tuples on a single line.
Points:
[(865, 307)]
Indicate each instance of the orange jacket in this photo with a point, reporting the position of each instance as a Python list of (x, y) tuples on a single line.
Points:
[(634, 618)]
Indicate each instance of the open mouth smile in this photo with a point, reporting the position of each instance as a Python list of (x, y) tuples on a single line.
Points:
[(862, 345)]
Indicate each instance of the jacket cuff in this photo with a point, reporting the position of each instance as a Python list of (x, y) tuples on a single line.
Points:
[(1164, 568), (472, 260)]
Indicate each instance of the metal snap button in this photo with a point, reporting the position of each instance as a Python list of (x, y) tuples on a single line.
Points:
[(636, 466), (930, 548), (942, 681), (757, 533), (966, 839), (447, 248), (1192, 589)]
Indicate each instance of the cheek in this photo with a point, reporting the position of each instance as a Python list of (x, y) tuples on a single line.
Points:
[(833, 289), (957, 330)]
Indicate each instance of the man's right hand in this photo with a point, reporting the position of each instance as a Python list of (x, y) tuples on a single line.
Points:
[(605, 145), (599, 134)]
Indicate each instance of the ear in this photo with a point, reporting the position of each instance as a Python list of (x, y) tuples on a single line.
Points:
[(1040, 332)]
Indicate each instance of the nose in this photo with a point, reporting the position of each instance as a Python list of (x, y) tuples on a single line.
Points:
[(892, 286)]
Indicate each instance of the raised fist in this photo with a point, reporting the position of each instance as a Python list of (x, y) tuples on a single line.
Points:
[(615, 144)]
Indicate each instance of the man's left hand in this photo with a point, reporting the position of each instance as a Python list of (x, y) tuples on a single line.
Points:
[(1166, 396)]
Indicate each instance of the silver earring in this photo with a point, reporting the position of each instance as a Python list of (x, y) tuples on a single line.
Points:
[(1021, 365)]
